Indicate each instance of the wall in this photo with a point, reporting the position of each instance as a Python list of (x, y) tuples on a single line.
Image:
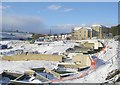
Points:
[(46, 57), (84, 59), (82, 33)]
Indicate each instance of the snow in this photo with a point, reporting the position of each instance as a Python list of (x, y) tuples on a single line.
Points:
[(4, 42), (77, 28), (48, 48), (108, 60), (21, 66), (56, 46), (89, 28), (104, 64), (36, 81)]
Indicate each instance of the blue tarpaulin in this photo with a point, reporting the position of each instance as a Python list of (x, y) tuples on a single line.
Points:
[(94, 57)]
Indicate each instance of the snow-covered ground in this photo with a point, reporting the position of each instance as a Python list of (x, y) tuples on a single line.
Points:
[(99, 75), (107, 62), (21, 66), (56, 46), (49, 48)]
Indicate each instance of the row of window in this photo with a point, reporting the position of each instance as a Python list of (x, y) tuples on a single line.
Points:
[(80, 35), (79, 31)]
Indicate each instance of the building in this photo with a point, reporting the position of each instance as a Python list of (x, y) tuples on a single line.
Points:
[(64, 36), (84, 60), (100, 31), (95, 31), (81, 33)]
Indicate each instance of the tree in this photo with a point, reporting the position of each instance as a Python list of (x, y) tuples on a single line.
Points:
[(36, 36), (115, 30)]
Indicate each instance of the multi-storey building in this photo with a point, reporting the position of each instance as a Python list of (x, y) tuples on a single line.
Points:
[(100, 31), (81, 33), (97, 31)]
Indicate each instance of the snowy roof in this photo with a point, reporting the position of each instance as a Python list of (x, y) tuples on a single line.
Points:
[(94, 25), (88, 28), (98, 25), (77, 28)]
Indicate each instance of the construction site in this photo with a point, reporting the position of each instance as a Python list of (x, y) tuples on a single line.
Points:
[(79, 62)]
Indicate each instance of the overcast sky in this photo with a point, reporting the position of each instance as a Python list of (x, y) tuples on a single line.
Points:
[(60, 17)]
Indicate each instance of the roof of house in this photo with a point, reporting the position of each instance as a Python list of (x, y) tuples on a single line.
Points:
[(77, 28)]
